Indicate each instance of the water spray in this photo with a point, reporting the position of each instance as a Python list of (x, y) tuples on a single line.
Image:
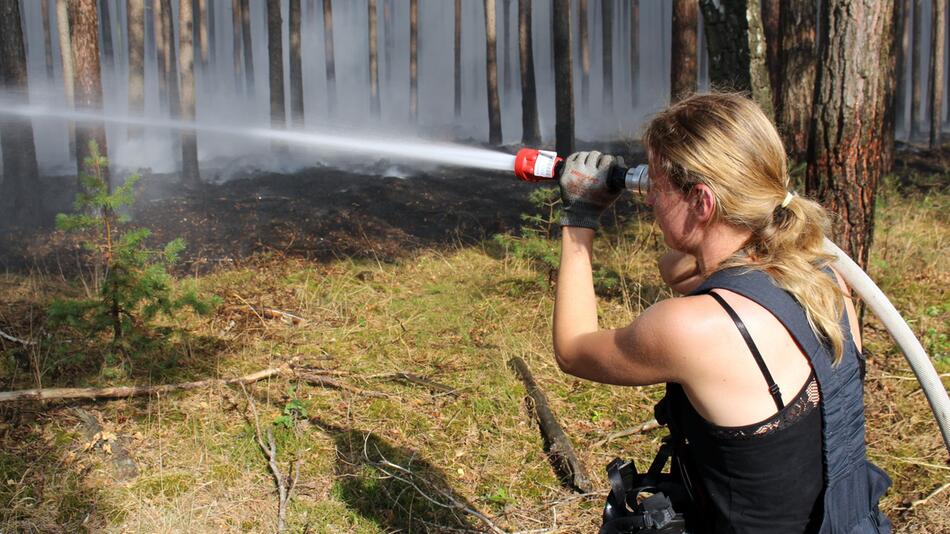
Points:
[(539, 165)]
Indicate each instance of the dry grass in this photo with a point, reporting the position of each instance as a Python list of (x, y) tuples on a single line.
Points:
[(455, 317)]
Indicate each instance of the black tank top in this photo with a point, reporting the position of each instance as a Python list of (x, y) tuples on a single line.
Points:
[(766, 477)]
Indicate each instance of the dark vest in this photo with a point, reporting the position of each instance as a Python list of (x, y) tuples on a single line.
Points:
[(852, 485)]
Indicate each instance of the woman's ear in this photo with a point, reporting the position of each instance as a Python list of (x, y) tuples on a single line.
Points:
[(703, 202)]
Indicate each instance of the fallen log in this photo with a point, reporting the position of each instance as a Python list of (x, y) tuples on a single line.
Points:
[(122, 392), (556, 443)]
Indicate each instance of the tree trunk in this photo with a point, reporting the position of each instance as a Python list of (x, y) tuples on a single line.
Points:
[(771, 29), (736, 44), (212, 40), (414, 60), (506, 50), (797, 57), (236, 51), (66, 55), (190, 175), (47, 39), (634, 50), (248, 52), (275, 57), (458, 58), (683, 68), (563, 80), (88, 79), (105, 23), (491, 64), (201, 31), (159, 31), (136, 25), (608, 54), (373, 60), (171, 61), (584, 37), (328, 48), (530, 129), (845, 160), (936, 71), (915, 66), (892, 40), (903, 32), (296, 65), (18, 192), (389, 39)]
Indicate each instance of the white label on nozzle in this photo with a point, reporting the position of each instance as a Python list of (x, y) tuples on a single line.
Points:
[(544, 165)]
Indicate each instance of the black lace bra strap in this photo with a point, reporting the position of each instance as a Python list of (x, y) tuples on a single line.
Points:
[(773, 387)]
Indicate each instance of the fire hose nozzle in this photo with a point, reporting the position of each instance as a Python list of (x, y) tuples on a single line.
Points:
[(532, 165)]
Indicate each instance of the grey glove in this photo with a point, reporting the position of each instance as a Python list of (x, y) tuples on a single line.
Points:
[(584, 191)]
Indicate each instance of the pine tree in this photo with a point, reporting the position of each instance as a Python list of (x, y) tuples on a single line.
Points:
[(458, 59), (84, 24), (136, 25), (607, 49), (936, 71), (275, 54), (563, 77), (414, 60), (190, 174), (296, 65), (491, 64), (328, 50), (798, 63), (531, 131), (248, 51), (683, 68), (373, 61)]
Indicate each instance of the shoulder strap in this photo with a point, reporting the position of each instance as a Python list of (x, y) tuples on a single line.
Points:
[(773, 387)]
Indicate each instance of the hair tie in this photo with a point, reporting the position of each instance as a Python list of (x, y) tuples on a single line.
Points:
[(788, 198)]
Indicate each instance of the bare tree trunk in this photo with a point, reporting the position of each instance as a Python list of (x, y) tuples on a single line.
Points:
[(736, 43), (328, 48), (296, 65), (158, 23), (915, 67), (797, 58), (390, 42), (683, 68), (563, 80), (19, 197), (248, 52), (458, 58), (84, 37), (634, 50), (771, 28), (845, 160), (171, 61), (201, 29), (936, 71), (373, 60), (414, 60), (903, 25), (236, 50), (190, 175), (212, 34), (136, 25), (530, 129), (583, 10), (66, 55), (106, 28), (506, 48), (47, 38), (275, 56), (889, 63), (491, 64), (608, 54)]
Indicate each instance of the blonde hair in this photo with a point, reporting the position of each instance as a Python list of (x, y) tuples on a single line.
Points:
[(725, 142)]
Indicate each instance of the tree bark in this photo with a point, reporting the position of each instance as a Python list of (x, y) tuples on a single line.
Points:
[(66, 55), (683, 67), (159, 31), (248, 51), (236, 50), (296, 65), (563, 78), (797, 58), (903, 32), (171, 61), (634, 50), (530, 128), (328, 49), (275, 56), (414, 60), (845, 157), (212, 41), (18, 191), (506, 46), (373, 60), (105, 22), (584, 37), (389, 39), (608, 53), (88, 79), (915, 67), (458, 58), (136, 24), (736, 44), (47, 39), (491, 64), (190, 175), (771, 29), (936, 71), (201, 31)]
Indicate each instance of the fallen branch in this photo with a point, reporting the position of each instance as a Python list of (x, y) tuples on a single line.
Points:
[(285, 486), (556, 443), (24, 342), (639, 429), (918, 502), (269, 313), (122, 392), (409, 378), (322, 381)]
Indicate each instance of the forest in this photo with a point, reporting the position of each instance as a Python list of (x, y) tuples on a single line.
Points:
[(267, 267)]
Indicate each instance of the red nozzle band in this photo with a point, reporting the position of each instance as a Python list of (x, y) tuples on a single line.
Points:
[(532, 165)]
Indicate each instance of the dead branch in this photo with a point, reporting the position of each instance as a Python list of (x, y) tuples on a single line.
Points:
[(285, 487), (24, 342), (134, 391), (266, 312), (924, 500), (409, 378), (322, 381), (639, 429), (557, 444)]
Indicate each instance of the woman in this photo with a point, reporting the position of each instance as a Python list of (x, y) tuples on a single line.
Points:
[(762, 356)]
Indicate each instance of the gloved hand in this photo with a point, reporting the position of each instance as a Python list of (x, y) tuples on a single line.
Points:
[(584, 191)]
